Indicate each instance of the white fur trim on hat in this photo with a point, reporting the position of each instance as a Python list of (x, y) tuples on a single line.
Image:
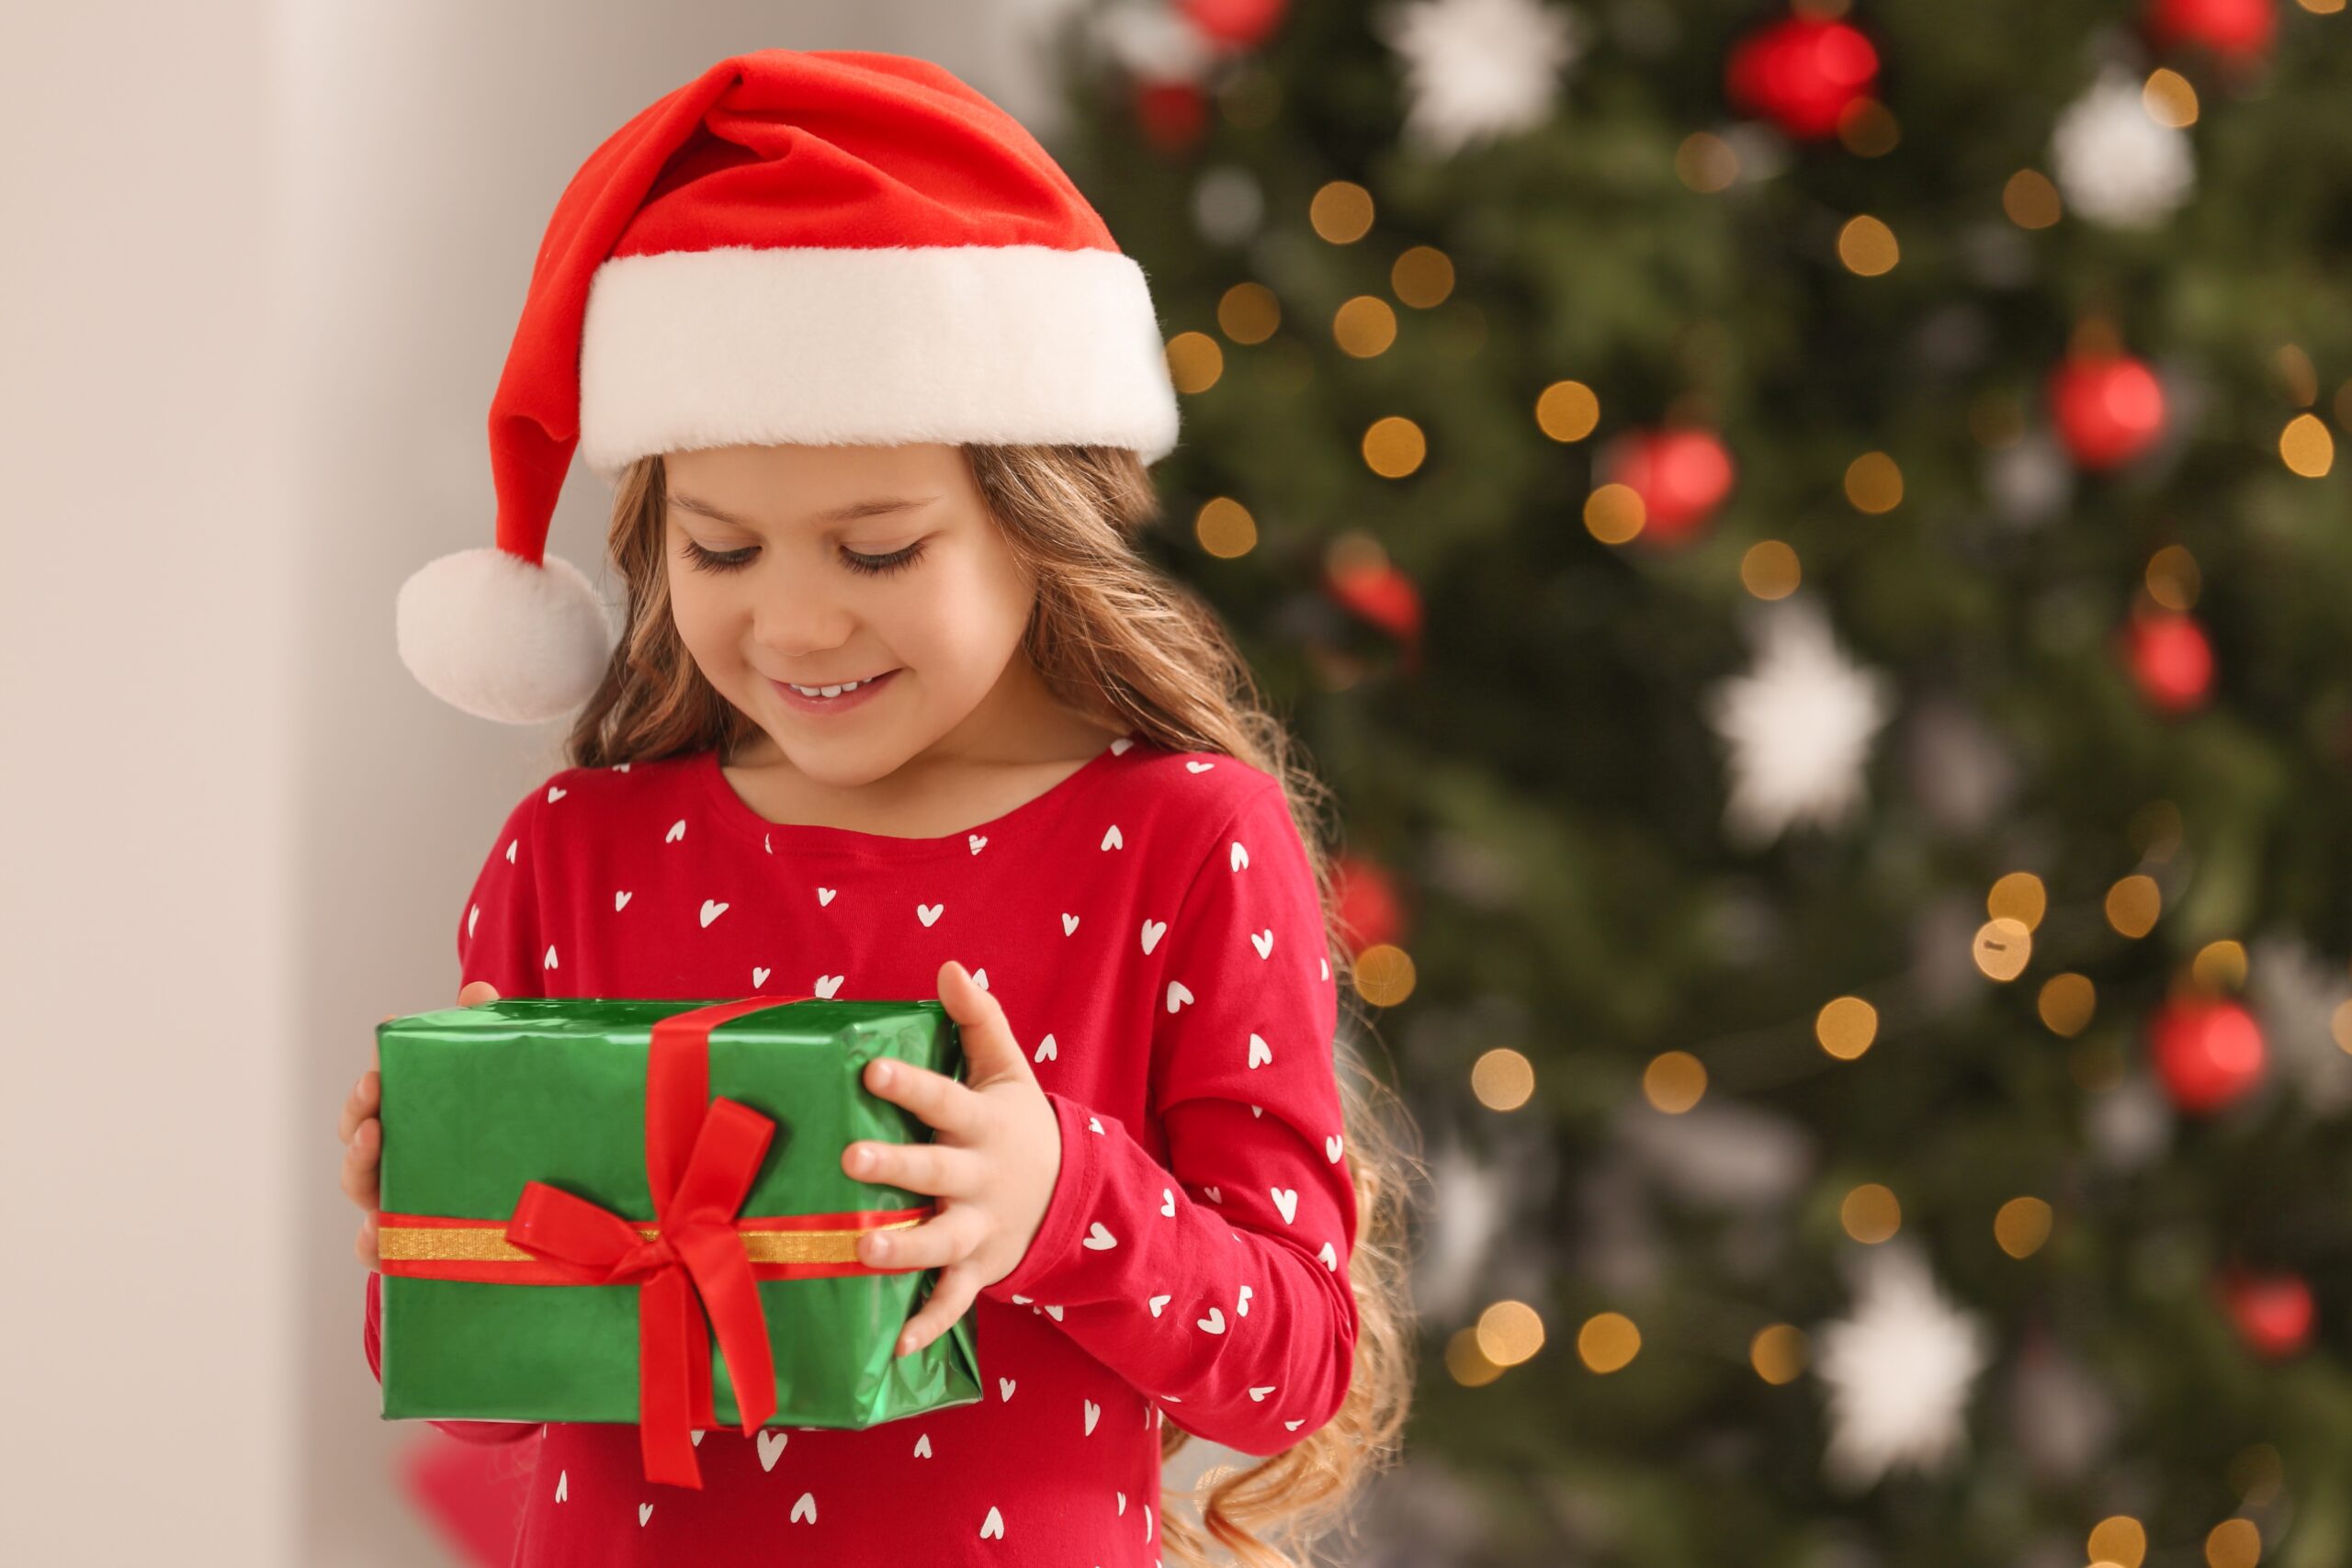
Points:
[(486, 631), (875, 346)]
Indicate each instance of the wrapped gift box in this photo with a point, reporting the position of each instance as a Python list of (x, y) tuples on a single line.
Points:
[(584, 1199)]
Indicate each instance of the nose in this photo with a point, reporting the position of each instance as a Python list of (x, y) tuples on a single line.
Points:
[(797, 615)]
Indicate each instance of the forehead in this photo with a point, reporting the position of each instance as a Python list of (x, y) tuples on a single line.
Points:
[(758, 479)]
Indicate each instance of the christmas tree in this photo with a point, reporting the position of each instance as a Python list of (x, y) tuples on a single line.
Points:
[(1811, 547)]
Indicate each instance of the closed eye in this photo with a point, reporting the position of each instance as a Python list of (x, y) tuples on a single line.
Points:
[(872, 566)]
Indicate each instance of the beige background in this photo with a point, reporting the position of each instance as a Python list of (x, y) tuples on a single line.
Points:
[(262, 263)]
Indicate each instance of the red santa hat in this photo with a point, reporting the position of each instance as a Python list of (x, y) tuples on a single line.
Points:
[(826, 247)]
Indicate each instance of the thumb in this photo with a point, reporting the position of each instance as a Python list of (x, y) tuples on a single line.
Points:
[(989, 1050), (475, 994)]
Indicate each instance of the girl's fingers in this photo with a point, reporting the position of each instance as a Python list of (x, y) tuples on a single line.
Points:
[(940, 1100), (950, 1296), (360, 1157), (475, 993), (943, 1171), (360, 1104), (989, 1050), (366, 1244), (946, 1237)]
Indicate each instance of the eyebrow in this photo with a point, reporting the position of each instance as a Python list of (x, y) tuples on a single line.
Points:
[(849, 513)]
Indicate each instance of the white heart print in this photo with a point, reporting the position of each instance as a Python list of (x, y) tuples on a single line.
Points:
[(1213, 1323), (1239, 857), (1168, 1202), (563, 1486), (805, 1505), (923, 1446), (929, 913), (980, 978), (760, 977), (1264, 941), (1152, 930), (978, 840), (476, 915), (1198, 767), (549, 961), (1260, 1393), (677, 830), (1217, 1195), (1286, 1199), (1330, 1258), (1157, 1303), (620, 901), (1047, 1051), (1260, 1053), (1069, 924), (644, 1512), (825, 896), (1331, 1148), (1177, 995), (1241, 1302), (1100, 1239), (510, 850), (770, 1447), (556, 792), (1293, 1425), (711, 909), (827, 984), (1119, 747), (1004, 1387), (1111, 841), (992, 1526), (1093, 1412)]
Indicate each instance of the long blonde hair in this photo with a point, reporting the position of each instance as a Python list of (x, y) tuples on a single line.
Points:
[(1122, 642)]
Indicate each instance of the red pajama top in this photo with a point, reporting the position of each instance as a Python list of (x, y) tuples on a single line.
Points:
[(1151, 925)]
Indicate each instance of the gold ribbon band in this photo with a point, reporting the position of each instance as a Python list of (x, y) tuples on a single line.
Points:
[(468, 1243)]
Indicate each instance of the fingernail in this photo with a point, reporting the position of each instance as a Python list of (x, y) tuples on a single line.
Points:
[(881, 1074), (879, 1246), (860, 1158)]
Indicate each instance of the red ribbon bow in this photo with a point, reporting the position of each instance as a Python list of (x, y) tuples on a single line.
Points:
[(700, 1160)]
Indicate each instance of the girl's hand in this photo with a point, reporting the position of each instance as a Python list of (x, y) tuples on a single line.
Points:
[(363, 1135), (993, 1163)]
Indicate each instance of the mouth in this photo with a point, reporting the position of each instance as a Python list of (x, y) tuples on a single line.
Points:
[(831, 698)]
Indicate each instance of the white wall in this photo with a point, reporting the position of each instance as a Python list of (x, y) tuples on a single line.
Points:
[(262, 265)]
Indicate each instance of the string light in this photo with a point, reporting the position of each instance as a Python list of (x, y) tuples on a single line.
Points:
[(1502, 1079), (1871, 1213), (1845, 1027), (1363, 326), (2030, 200), (2002, 948), (2306, 447), (1383, 974), (1567, 410), (1674, 1081), (1867, 247), (1778, 1353), (1770, 570), (2021, 1226), (1608, 1342), (1614, 514), (2132, 905), (2218, 966), (1706, 162), (1225, 527), (1422, 277), (1249, 312), (1394, 447), (2120, 1539), (1873, 483), (1194, 361), (2020, 896), (2066, 1004), (1341, 212), (1509, 1332)]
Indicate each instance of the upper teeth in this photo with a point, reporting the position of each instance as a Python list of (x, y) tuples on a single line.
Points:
[(828, 691)]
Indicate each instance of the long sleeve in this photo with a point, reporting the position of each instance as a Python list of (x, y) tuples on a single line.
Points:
[(500, 939), (1219, 1284)]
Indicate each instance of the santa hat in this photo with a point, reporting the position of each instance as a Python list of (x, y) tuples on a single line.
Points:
[(824, 247)]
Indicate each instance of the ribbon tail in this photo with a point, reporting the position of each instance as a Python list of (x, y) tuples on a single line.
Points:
[(723, 1276), (668, 1345)]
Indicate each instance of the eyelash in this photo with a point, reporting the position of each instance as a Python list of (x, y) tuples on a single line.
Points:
[(872, 566)]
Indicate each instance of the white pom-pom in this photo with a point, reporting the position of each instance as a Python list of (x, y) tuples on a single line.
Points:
[(491, 634)]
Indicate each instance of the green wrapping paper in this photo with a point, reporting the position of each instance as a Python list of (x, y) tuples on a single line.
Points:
[(477, 1101)]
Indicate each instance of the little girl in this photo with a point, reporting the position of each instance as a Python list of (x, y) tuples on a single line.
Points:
[(899, 709)]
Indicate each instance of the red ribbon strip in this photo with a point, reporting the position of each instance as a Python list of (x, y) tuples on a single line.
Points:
[(701, 1155)]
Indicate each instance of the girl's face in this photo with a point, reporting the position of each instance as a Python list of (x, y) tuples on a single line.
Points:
[(846, 563)]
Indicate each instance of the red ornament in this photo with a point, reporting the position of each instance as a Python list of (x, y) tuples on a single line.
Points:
[(2238, 31), (1383, 595), (2109, 408), (2169, 657), (1174, 114), (2208, 1052), (1680, 475), (2272, 1312), (1370, 909), (1235, 24), (1802, 74)]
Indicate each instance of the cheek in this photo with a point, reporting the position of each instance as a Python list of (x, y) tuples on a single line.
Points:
[(962, 621)]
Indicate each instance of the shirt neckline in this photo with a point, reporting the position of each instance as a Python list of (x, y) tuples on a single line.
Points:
[(815, 837)]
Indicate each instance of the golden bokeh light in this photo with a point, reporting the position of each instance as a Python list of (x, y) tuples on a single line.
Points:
[(2168, 99), (1466, 1363), (1874, 483), (2120, 1540), (2031, 200), (1422, 277), (1225, 527), (1614, 514), (1770, 570), (2218, 966), (1509, 1333), (1395, 447), (2234, 1544), (1341, 212), (2134, 904), (1383, 974), (2256, 1473), (1871, 1213), (1608, 1341), (1706, 162), (2021, 1226), (1868, 128), (1194, 361), (1846, 1026), (2066, 1004), (1363, 326), (1867, 247), (1502, 1079), (1674, 1081), (2306, 447), (1777, 1352), (2339, 1024), (2002, 948), (1249, 312), (1567, 410), (2173, 579), (2020, 896)]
